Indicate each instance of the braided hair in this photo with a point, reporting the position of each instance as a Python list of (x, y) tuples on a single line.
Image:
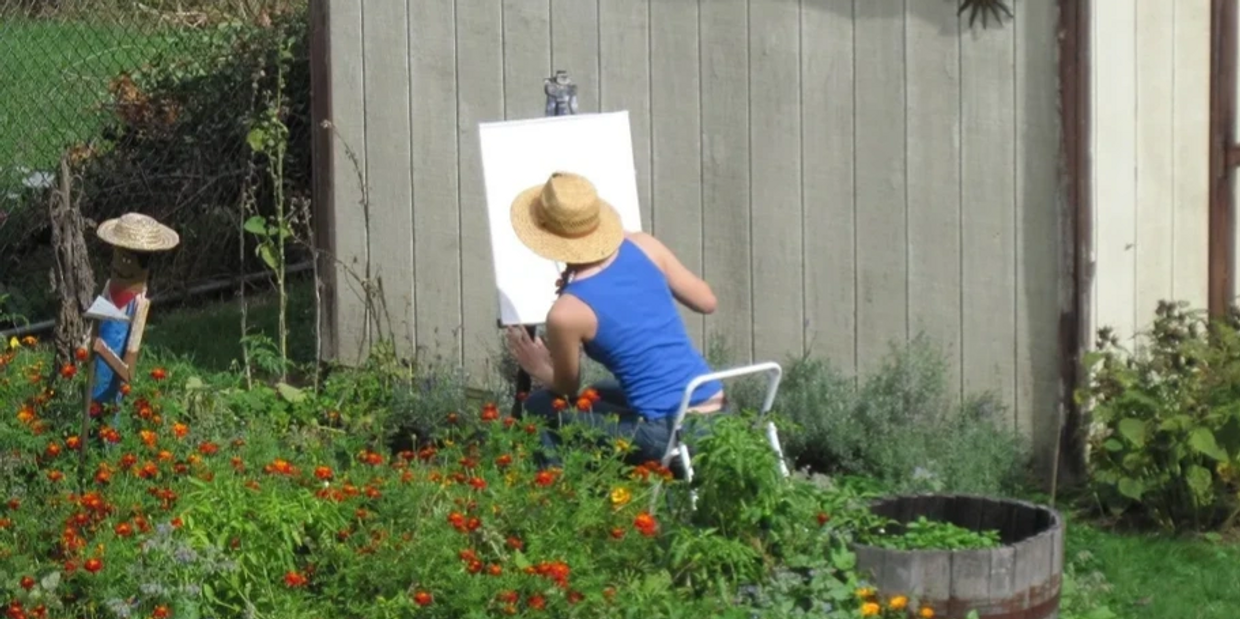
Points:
[(565, 276)]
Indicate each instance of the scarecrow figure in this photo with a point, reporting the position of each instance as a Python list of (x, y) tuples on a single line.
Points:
[(120, 312)]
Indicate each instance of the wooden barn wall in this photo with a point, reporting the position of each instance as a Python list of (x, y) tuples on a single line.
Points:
[(845, 173)]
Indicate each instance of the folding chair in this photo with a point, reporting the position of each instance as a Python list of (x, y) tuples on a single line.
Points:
[(678, 450)]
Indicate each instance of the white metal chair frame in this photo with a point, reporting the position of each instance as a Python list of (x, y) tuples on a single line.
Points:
[(678, 450)]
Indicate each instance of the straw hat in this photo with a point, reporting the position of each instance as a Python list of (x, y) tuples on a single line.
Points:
[(565, 220), (138, 232)]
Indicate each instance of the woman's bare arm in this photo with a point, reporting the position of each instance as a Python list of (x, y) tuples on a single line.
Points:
[(686, 286)]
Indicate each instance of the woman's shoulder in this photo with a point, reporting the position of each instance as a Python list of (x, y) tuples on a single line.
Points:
[(652, 247)]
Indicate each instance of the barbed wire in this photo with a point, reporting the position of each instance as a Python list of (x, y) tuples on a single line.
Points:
[(151, 103)]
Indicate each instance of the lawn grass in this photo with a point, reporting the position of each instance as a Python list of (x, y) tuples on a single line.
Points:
[(1155, 577), (208, 335), (55, 82)]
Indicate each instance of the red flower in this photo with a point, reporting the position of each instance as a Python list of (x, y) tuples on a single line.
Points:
[(646, 524), (823, 518), (208, 448), (94, 565), (55, 476), (73, 442), (422, 598), (81, 354), (559, 404), (323, 473), (584, 403), (68, 370), (530, 428), (546, 477), (509, 421), (537, 602), (617, 533), (159, 374), (294, 579), (478, 483), (27, 583), (161, 612), (508, 597), (515, 543), (180, 430), (53, 450), (96, 409), (490, 412), (124, 529), (125, 388), (495, 569), (503, 461)]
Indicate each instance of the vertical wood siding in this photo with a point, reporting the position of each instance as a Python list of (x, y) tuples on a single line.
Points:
[(846, 173), (1151, 93)]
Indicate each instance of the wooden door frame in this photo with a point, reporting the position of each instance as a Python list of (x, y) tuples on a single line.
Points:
[(1224, 154)]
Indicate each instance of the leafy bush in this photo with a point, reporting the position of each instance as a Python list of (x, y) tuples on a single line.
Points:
[(1166, 444), (897, 425), (198, 497)]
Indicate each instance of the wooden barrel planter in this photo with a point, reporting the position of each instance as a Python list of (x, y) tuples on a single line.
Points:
[(1020, 579)]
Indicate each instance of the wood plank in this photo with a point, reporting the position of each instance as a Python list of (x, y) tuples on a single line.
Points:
[(1038, 240), (1191, 147), (436, 210), (1155, 162), (725, 174), (988, 213), (827, 181), (882, 233), (932, 110), (624, 81), (351, 321), (1114, 164), (676, 177), (527, 57), (775, 160), (385, 48), (574, 48), (480, 75)]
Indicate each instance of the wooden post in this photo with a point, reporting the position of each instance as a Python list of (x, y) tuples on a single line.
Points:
[(72, 278)]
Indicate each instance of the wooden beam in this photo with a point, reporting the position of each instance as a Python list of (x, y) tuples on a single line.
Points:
[(1222, 154), (322, 143)]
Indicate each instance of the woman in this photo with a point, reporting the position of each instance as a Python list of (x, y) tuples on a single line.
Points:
[(617, 301)]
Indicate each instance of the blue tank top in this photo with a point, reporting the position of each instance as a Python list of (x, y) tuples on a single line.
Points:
[(641, 338)]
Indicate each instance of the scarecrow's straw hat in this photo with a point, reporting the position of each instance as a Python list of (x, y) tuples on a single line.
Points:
[(565, 220), (138, 232)]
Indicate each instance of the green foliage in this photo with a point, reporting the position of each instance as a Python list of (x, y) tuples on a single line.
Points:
[(898, 425), (1167, 441), (925, 534)]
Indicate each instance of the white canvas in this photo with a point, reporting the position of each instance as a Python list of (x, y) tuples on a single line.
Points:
[(520, 154)]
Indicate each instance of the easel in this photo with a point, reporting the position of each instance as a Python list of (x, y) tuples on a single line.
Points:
[(561, 101)]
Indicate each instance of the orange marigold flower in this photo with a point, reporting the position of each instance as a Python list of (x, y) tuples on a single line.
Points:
[(423, 598), (515, 542), (159, 373), (584, 403), (322, 472), (125, 389), (823, 518), (94, 565), (81, 354), (503, 461), (294, 579), (55, 476), (161, 612), (25, 414), (490, 412), (180, 430), (52, 450), (27, 583), (898, 602), (208, 448), (559, 404), (926, 612), (617, 533), (537, 602), (68, 370), (546, 477), (646, 524), (123, 529), (870, 609), (73, 443)]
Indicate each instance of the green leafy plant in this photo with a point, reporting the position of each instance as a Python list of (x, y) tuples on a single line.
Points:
[(1166, 440), (926, 534)]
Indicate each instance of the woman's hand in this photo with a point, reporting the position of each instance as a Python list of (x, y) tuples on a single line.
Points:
[(531, 354)]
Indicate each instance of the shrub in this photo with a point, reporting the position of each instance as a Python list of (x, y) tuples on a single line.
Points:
[(1166, 444), (898, 425)]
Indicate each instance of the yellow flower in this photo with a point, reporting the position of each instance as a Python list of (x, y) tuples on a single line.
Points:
[(898, 602), (620, 497), (623, 446), (869, 609), (13, 343), (926, 613), (865, 593)]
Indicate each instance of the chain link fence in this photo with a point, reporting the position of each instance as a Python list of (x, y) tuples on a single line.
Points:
[(153, 104)]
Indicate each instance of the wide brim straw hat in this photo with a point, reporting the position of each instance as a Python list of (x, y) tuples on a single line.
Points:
[(138, 232), (565, 220)]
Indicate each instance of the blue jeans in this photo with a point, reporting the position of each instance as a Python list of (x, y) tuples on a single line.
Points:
[(615, 419)]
